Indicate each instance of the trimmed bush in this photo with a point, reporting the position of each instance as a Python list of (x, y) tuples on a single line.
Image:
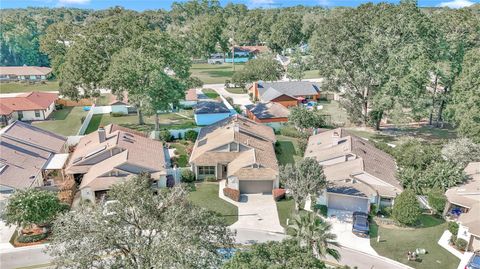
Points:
[(191, 135), (30, 238), (210, 179), (406, 209), (165, 136), (188, 176), (461, 244), (290, 131), (278, 194), (453, 228), (437, 200), (386, 211), (117, 114), (322, 209), (302, 145), (453, 239), (232, 194), (59, 106)]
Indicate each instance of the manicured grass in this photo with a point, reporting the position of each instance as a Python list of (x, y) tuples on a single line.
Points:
[(286, 210), (19, 87), (65, 121), (312, 74), (210, 93), (236, 90), (395, 242), (168, 121), (214, 73), (287, 150), (206, 196)]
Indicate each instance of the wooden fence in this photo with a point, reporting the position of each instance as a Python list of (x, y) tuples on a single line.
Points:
[(81, 102)]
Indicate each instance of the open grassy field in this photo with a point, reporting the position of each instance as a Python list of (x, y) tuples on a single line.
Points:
[(168, 120), (206, 196), (312, 74), (65, 121), (395, 242), (336, 115), (214, 73), (19, 87)]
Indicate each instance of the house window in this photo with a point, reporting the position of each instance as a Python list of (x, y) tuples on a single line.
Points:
[(206, 170), (37, 113), (20, 115)]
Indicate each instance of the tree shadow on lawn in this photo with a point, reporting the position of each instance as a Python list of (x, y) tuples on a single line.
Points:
[(62, 114), (285, 152), (219, 73)]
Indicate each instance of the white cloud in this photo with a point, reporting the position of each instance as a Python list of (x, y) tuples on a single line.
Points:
[(69, 2), (261, 3), (324, 3), (456, 4)]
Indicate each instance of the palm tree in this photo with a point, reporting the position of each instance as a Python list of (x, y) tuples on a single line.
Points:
[(308, 228)]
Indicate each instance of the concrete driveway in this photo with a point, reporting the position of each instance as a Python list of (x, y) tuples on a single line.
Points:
[(241, 99), (342, 226)]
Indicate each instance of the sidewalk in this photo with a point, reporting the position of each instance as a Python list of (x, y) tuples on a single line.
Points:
[(5, 235)]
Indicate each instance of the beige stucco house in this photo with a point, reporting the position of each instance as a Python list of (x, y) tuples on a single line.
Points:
[(239, 150)]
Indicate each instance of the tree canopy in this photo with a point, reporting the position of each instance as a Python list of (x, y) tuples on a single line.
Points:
[(139, 229)]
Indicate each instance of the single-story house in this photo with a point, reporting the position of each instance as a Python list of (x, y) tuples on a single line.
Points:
[(209, 112), (267, 112), (239, 150), (463, 206), (286, 93), (27, 107), (191, 98), (24, 73), (110, 155), (26, 153), (358, 174)]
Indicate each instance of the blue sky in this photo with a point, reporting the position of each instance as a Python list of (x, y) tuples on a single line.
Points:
[(165, 4)]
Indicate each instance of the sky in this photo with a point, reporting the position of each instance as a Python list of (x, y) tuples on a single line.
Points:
[(141, 5)]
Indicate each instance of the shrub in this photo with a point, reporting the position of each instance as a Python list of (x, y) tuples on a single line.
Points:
[(437, 200), (227, 83), (278, 194), (461, 244), (59, 106), (453, 228), (82, 119), (322, 209), (117, 114), (188, 176), (453, 239), (165, 136), (386, 211), (30, 238), (210, 179), (406, 209), (232, 194), (191, 135), (302, 145), (229, 100)]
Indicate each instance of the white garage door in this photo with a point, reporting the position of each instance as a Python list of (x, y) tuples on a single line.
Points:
[(348, 203), (256, 186)]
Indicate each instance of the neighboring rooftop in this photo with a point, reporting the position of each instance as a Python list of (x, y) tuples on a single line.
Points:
[(270, 90), (252, 49), (191, 95), (25, 70), (269, 110), (27, 101), (24, 152), (211, 107)]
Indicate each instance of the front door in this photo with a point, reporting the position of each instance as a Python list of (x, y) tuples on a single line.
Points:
[(224, 171)]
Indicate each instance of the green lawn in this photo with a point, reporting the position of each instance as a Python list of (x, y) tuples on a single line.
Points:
[(210, 93), (236, 90), (287, 150), (18, 87), (337, 115), (206, 196), (395, 242), (168, 120), (312, 74), (181, 148), (214, 73), (66, 121), (286, 209)]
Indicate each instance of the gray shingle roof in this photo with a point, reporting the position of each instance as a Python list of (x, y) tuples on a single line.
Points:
[(291, 88), (269, 110), (210, 107)]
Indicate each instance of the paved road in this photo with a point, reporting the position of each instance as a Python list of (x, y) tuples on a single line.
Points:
[(22, 257)]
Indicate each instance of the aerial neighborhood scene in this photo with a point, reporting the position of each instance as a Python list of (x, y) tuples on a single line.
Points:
[(263, 134)]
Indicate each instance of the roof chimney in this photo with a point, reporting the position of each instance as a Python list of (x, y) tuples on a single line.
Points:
[(101, 134)]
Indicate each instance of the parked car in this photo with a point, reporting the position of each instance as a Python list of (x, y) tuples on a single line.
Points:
[(361, 227), (474, 262)]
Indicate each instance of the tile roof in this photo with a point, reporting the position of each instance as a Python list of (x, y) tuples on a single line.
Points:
[(25, 70), (191, 95), (252, 49), (258, 138), (24, 151), (210, 107), (468, 195), (271, 90), (27, 101), (360, 156), (269, 110)]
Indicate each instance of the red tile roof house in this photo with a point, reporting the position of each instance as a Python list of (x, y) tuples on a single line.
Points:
[(112, 154), (24, 73), (358, 173), (27, 107), (26, 152)]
